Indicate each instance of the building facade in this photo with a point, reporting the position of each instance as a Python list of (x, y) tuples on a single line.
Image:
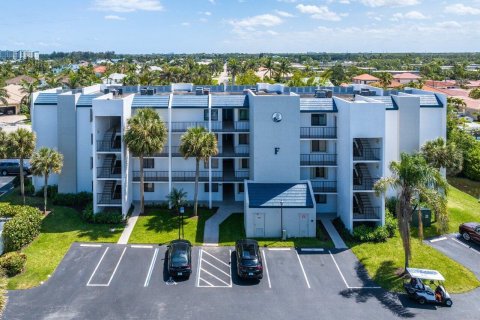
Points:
[(19, 55), (331, 143)]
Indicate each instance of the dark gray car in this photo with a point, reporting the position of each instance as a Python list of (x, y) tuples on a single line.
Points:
[(12, 168)]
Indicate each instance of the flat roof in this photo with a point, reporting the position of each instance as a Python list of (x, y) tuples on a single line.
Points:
[(276, 195)]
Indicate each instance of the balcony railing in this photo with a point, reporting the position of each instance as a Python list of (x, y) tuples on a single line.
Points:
[(229, 151), (106, 198), (324, 159), (366, 213), (108, 145), (364, 183), (109, 172), (318, 132), (236, 176), (183, 126), (217, 126), (242, 126), (324, 186), (367, 154), (176, 176)]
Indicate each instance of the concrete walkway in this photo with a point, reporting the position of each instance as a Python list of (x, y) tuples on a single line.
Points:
[(130, 224), (212, 225), (332, 232)]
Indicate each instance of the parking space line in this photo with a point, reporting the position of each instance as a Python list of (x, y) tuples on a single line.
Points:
[(141, 246), (209, 284), (466, 246), (278, 249), (150, 270), (343, 278), (438, 239), (116, 267), (212, 265), (199, 264), (303, 270), (217, 259), (98, 264), (230, 264), (266, 269), (212, 275), (311, 249), (91, 245)]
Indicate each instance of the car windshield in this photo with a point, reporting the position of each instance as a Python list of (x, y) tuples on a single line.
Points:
[(249, 262), (179, 258), (249, 251)]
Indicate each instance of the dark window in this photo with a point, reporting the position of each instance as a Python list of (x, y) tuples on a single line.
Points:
[(149, 187), (91, 138), (244, 163), (148, 163), (241, 188), (318, 146), (319, 119), (321, 198), (91, 115), (214, 114), (91, 162), (243, 114), (319, 172), (214, 163), (214, 187), (243, 139)]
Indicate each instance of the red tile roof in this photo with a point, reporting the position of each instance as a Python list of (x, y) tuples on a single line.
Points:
[(366, 77), (100, 69), (406, 76)]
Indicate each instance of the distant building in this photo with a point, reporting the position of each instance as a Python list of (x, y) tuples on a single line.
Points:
[(114, 78), (364, 79), (406, 77), (445, 84), (18, 80), (19, 55), (14, 100)]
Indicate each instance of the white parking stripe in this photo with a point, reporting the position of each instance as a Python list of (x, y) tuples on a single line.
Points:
[(209, 284), (466, 246), (98, 264), (215, 277), (150, 270), (91, 245), (311, 249), (141, 246), (303, 270), (266, 269), (217, 259), (343, 278), (199, 264), (216, 268), (116, 267), (278, 249), (438, 239)]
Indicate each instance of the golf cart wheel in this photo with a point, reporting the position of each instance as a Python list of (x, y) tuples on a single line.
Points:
[(422, 300), (448, 302), (466, 236), (4, 172)]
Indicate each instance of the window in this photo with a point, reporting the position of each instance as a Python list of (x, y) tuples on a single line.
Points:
[(149, 187), (319, 119), (319, 172), (214, 114), (243, 115), (148, 163), (214, 187), (91, 162), (91, 138), (243, 139), (318, 146), (244, 163), (214, 163), (241, 188), (91, 115), (321, 198)]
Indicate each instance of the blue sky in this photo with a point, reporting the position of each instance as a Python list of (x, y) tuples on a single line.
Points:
[(190, 26)]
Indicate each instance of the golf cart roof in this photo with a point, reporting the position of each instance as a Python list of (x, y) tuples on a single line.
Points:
[(425, 274)]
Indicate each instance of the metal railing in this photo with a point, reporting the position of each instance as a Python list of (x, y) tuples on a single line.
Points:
[(109, 172), (318, 159), (360, 183), (366, 212), (367, 154), (242, 126), (183, 126), (324, 186), (318, 132), (228, 151), (217, 126), (108, 145), (177, 176), (106, 198)]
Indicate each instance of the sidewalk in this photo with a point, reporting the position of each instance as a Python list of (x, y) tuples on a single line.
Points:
[(212, 225), (332, 232), (130, 224)]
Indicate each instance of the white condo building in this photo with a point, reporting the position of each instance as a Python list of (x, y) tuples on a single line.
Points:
[(292, 155)]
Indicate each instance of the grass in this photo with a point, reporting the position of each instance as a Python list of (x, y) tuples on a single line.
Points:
[(62, 227), (466, 185), (233, 229), (161, 226)]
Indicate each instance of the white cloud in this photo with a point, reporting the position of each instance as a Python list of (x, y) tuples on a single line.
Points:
[(461, 9), (412, 15), (284, 14), (113, 17), (449, 25), (185, 24), (389, 3), (319, 12), (127, 5), (263, 20)]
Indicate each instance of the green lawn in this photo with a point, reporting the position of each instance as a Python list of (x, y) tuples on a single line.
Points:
[(233, 229), (161, 226)]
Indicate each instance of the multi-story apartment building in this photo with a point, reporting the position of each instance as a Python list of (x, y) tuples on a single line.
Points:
[(19, 55), (303, 149)]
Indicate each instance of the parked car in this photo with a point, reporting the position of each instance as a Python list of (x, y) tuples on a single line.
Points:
[(180, 258), (13, 168), (421, 292), (470, 231), (249, 259)]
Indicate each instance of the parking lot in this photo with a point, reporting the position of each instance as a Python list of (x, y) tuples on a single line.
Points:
[(110, 281)]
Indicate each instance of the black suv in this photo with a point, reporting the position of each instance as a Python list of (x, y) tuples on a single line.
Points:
[(180, 258), (249, 259), (12, 168)]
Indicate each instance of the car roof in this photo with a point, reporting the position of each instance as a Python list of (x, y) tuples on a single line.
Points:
[(180, 242), (247, 241), (425, 274)]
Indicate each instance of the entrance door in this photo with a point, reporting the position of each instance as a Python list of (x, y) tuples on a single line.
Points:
[(259, 224), (303, 224)]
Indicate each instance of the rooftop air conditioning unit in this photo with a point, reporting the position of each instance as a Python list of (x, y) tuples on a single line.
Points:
[(320, 94), (199, 91), (150, 92), (106, 91), (143, 92), (206, 91), (329, 93)]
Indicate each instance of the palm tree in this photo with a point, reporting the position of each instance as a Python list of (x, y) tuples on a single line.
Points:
[(415, 181), (52, 80), (325, 77), (269, 64), (44, 162), (177, 198), (28, 88), (233, 67), (284, 68), (4, 96), (4, 144), (386, 79), (441, 154), (201, 145), (22, 145), (73, 80), (457, 103), (145, 134)]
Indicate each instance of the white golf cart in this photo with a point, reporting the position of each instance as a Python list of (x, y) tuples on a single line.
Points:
[(421, 292)]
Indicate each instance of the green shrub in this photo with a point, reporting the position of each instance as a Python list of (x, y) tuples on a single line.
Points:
[(366, 233), (21, 229), (13, 263), (471, 165), (76, 200), (29, 190), (390, 223), (108, 217), (391, 205), (87, 213), (8, 211), (52, 192)]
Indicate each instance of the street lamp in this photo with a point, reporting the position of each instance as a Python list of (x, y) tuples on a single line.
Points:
[(182, 211), (281, 219)]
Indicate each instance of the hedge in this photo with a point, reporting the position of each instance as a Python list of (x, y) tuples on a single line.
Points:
[(364, 233), (21, 229), (76, 200), (9, 211), (13, 263), (103, 217)]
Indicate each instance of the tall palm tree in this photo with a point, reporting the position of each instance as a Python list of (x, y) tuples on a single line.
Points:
[(74, 80), (52, 80), (145, 134), (284, 68), (22, 145), (201, 145), (233, 67), (4, 96), (269, 64), (386, 79), (177, 198), (441, 154), (45, 162), (28, 88), (415, 181)]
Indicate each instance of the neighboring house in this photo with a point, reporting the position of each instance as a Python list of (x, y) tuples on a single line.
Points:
[(291, 154), (445, 84), (407, 77), (473, 105), (99, 70), (18, 80), (473, 84), (365, 79), (14, 100), (114, 78)]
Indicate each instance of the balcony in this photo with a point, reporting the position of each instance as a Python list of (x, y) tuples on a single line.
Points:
[(150, 176), (366, 213), (109, 172), (109, 145), (324, 186), (318, 132), (217, 126), (360, 183), (236, 176), (322, 159), (242, 150), (108, 199), (367, 154)]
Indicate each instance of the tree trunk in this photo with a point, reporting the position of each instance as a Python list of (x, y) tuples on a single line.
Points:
[(420, 223), (195, 197), (45, 188), (142, 187), (404, 224), (22, 181)]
